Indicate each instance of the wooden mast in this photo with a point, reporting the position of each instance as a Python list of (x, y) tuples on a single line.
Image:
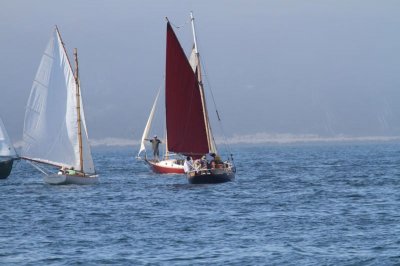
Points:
[(211, 145), (78, 109), (78, 102)]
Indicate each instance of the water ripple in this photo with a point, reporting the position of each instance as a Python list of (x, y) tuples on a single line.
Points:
[(291, 204)]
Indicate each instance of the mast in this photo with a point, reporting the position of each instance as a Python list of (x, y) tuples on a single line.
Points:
[(166, 131), (166, 146), (211, 145), (78, 109)]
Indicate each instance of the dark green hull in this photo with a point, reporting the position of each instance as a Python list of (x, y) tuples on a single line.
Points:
[(5, 168), (211, 176)]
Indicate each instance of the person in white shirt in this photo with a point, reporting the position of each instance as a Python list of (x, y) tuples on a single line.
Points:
[(188, 165)]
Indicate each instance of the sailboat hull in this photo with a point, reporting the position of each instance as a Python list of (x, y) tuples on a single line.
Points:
[(213, 176), (71, 179), (166, 166), (5, 168)]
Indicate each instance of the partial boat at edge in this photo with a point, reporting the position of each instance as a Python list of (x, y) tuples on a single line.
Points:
[(7, 152)]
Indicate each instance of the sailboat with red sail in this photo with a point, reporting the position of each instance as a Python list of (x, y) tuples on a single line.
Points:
[(188, 128)]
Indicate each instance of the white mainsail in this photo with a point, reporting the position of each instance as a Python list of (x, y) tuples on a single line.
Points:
[(6, 147), (148, 125), (194, 62), (50, 127)]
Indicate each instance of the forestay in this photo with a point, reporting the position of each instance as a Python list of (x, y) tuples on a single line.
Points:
[(50, 127)]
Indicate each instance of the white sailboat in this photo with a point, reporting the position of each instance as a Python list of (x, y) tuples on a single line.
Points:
[(169, 164), (55, 130), (7, 152)]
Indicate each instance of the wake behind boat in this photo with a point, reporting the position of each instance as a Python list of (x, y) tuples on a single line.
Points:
[(55, 132), (7, 152)]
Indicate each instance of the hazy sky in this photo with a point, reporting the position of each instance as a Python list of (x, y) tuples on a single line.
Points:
[(275, 67)]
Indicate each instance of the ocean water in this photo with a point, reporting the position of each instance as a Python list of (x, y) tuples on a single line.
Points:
[(300, 204)]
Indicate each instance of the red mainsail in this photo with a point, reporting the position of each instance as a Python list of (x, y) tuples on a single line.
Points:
[(186, 130)]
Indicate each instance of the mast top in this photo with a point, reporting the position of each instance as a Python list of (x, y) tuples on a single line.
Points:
[(194, 32)]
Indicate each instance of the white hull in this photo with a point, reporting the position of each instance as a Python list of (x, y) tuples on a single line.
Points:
[(70, 179)]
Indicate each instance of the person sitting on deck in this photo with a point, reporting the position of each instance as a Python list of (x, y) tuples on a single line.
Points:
[(61, 171), (203, 162), (71, 171), (197, 164), (188, 165), (218, 162), (210, 157)]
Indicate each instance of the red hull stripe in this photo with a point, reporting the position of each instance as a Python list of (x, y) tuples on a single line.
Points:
[(165, 169)]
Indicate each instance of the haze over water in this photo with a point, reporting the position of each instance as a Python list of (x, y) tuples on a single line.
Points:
[(325, 68), (317, 78)]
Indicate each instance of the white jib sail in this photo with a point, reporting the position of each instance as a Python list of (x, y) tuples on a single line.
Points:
[(6, 147), (50, 127), (148, 125), (193, 59)]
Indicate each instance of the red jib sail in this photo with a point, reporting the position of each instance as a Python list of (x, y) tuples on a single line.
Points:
[(186, 130)]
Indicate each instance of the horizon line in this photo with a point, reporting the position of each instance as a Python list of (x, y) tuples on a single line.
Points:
[(256, 138)]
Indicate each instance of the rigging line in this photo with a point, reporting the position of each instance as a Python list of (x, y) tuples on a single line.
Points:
[(163, 123), (204, 74), (227, 147), (37, 167), (176, 26)]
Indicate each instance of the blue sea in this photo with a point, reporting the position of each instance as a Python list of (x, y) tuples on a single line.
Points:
[(297, 204)]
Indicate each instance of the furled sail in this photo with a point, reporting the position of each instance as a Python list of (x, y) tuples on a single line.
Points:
[(50, 126), (184, 111), (6, 147)]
